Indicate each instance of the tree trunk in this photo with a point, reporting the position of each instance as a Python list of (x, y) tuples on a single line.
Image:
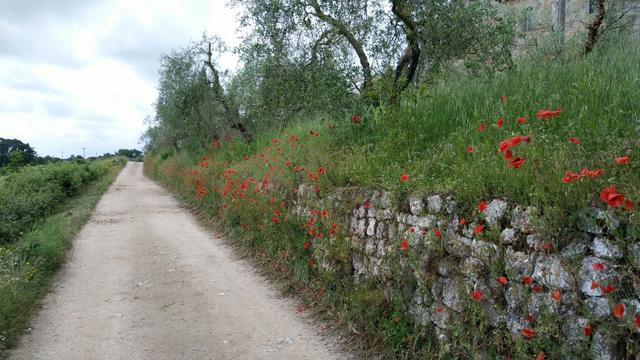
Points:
[(342, 29), (408, 63), (594, 27), (231, 113)]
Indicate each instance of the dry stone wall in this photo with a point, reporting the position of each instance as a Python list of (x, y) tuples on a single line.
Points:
[(592, 274)]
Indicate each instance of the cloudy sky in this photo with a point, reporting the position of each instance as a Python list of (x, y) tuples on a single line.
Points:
[(82, 73)]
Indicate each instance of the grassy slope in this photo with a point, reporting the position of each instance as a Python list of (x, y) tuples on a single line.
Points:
[(426, 137), (30, 264)]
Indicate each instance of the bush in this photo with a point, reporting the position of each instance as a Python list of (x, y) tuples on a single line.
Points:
[(35, 192)]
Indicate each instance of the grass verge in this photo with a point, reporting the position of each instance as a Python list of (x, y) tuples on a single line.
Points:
[(27, 266)]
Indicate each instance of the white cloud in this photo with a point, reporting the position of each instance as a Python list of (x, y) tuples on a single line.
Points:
[(77, 73)]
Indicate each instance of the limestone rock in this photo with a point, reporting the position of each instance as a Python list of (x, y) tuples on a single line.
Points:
[(495, 211), (415, 204), (508, 236), (434, 204), (521, 219), (550, 271), (602, 247)]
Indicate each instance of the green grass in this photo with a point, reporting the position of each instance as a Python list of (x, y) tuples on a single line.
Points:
[(426, 136), (27, 266)]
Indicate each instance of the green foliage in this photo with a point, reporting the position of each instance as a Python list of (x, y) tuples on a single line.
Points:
[(35, 192), (14, 153), (28, 264)]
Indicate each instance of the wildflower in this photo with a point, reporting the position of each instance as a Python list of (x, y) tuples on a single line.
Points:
[(482, 206), (611, 196), (274, 219), (476, 295), (404, 177), (526, 280), (355, 118), (503, 280), (503, 98), (276, 212), (528, 332), (536, 288), (516, 163), (597, 266), (437, 233), (541, 356), (470, 149), (366, 205), (607, 289), (323, 213), (439, 309), (618, 311), (478, 229), (306, 245), (622, 160), (545, 113), (637, 321), (482, 127), (594, 285), (555, 295), (500, 122), (520, 120), (462, 221), (530, 318), (570, 176), (586, 330), (321, 170), (628, 204), (574, 140), (312, 231), (404, 244)]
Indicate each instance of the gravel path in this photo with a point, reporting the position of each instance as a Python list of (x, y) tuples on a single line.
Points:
[(145, 281)]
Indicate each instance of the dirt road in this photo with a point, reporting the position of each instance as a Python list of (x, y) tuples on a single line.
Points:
[(145, 281)]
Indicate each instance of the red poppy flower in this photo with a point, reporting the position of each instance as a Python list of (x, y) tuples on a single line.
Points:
[(516, 163), (404, 177), (508, 155), (366, 205), (274, 220), (574, 140), (482, 206), (440, 309), (312, 231), (323, 213), (607, 289), (541, 356), (412, 229), (586, 330), (528, 332), (478, 229), (470, 149), (628, 204), (276, 212), (597, 266), (502, 280), (355, 118), (545, 113), (482, 127), (611, 196), (437, 233), (555, 295), (637, 321), (530, 318), (404, 244), (503, 98), (306, 245), (622, 160), (521, 120), (618, 311), (536, 288), (500, 122), (462, 221), (526, 280), (476, 295), (594, 285), (570, 176)]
